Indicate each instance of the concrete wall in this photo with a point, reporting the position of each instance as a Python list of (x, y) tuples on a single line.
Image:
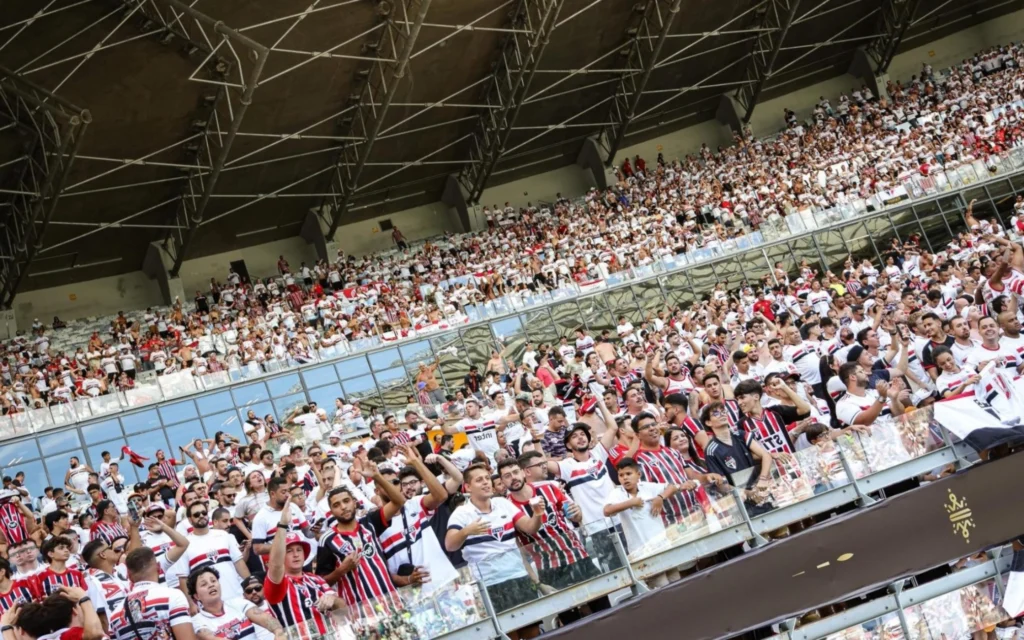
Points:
[(679, 143), (99, 297), (260, 260), (360, 238)]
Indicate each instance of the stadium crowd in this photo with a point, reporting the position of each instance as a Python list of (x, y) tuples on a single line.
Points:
[(573, 443), (849, 151)]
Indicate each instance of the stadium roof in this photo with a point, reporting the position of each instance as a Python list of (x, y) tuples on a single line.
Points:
[(220, 124)]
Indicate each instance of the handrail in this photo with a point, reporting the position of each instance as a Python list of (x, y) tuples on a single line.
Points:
[(55, 422)]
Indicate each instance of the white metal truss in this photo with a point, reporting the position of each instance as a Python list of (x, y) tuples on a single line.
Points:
[(507, 89), (896, 16), (377, 86), (648, 39), (775, 23), (53, 129)]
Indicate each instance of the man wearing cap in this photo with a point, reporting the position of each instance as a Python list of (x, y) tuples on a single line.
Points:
[(585, 470), (482, 432), (295, 597)]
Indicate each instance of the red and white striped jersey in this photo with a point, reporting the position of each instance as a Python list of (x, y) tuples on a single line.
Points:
[(555, 544), (667, 466), (370, 582), (293, 603)]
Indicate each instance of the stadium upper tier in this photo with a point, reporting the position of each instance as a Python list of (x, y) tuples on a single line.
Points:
[(938, 133)]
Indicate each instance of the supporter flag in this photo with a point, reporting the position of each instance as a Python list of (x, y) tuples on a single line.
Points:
[(1013, 597), (135, 458), (987, 416), (592, 285)]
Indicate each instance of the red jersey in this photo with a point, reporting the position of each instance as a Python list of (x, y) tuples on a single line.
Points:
[(370, 582), (667, 466), (770, 430), (555, 544), (49, 581), (20, 593), (12, 521), (293, 603)]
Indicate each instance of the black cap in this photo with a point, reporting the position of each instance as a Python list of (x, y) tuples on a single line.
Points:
[(573, 428)]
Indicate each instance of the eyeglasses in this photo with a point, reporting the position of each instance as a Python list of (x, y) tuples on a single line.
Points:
[(117, 549), (251, 590), (410, 484), (717, 413), (649, 425)]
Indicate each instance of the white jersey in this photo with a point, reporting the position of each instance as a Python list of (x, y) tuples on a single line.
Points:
[(850, 406), (481, 433), (232, 624), (149, 611), (1004, 356), (638, 525), (113, 588), (220, 549), (948, 382), (589, 484), (805, 358), (495, 552), (410, 540)]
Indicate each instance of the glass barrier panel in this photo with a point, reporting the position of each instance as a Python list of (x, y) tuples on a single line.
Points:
[(40, 419), (215, 379), (143, 394), (822, 466), (6, 428), (104, 404), (566, 559), (708, 510), (177, 384), (890, 442), (63, 413), (425, 611), (82, 410), (959, 614)]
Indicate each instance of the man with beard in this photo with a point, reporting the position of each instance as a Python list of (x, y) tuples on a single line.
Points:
[(556, 550), (350, 554), (211, 546), (265, 522), (676, 379), (482, 432), (410, 542)]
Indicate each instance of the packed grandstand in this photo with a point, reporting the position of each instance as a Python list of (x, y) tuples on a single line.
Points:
[(739, 403)]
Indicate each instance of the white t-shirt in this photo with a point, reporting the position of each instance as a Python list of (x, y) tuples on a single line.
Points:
[(638, 525), (159, 606), (481, 433), (310, 426), (219, 548), (951, 381)]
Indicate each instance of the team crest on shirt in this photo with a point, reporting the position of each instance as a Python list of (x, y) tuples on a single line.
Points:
[(730, 462), (497, 533)]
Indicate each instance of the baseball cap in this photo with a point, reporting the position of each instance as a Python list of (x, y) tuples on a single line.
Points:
[(294, 538), (854, 354), (156, 506), (251, 581), (576, 426)]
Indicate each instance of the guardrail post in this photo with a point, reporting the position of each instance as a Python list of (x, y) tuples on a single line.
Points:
[(863, 499), (637, 586), (993, 554), (756, 539), (895, 589), (491, 614), (961, 462)]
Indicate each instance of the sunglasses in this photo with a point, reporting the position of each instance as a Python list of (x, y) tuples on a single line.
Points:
[(199, 514), (252, 590), (117, 549)]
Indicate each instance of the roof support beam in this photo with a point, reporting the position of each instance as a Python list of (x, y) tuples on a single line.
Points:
[(644, 50), (232, 63), (55, 128), (513, 74), (378, 92), (778, 18), (896, 16)]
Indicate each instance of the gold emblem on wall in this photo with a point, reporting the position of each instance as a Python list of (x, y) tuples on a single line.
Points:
[(960, 516)]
